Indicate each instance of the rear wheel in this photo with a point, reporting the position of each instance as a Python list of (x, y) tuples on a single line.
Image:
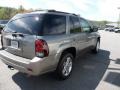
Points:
[(65, 66)]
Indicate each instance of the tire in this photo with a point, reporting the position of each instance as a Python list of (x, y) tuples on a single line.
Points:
[(65, 66), (97, 47)]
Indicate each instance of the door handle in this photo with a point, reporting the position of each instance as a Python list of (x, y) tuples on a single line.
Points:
[(90, 37), (67, 41)]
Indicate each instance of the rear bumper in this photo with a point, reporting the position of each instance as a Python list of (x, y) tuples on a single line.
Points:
[(35, 66)]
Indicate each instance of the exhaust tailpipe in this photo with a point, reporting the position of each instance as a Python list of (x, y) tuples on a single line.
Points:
[(10, 67)]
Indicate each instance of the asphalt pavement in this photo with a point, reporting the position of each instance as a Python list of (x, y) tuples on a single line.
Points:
[(90, 72)]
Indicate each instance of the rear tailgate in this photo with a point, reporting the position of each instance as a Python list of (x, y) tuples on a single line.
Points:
[(12, 44), (19, 35), (19, 45), (28, 43)]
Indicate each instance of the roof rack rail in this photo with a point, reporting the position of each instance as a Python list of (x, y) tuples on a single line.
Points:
[(52, 10), (62, 12), (58, 11), (75, 14), (43, 10)]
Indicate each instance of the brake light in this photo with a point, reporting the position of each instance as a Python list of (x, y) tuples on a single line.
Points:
[(2, 41), (41, 48)]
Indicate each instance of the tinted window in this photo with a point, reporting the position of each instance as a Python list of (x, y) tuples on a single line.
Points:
[(85, 26), (74, 25), (54, 24), (45, 24), (27, 25), (3, 22), (116, 28)]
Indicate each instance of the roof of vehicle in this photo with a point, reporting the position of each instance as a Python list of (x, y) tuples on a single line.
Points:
[(38, 12), (52, 11)]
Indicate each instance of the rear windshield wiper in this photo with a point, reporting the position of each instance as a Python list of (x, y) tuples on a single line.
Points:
[(15, 34)]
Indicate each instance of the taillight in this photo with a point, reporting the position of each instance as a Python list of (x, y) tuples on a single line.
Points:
[(2, 41), (41, 48)]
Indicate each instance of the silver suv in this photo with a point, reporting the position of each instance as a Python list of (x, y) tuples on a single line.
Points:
[(43, 41)]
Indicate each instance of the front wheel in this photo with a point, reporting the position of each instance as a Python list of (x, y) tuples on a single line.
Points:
[(97, 47), (65, 66)]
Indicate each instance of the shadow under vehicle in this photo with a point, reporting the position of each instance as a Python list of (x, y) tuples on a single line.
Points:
[(88, 72)]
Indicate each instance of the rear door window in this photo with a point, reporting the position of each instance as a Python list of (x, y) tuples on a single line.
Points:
[(54, 24)]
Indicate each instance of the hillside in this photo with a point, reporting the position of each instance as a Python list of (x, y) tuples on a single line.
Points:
[(7, 13)]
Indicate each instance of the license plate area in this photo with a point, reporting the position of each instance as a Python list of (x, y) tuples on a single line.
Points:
[(14, 44)]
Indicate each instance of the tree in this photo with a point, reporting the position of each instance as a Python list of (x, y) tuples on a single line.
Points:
[(21, 9), (7, 12)]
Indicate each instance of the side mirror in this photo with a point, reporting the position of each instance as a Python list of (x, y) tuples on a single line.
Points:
[(95, 29)]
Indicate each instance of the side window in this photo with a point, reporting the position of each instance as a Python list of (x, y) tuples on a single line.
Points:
[(85, 25), (74, 24), (54, 24)]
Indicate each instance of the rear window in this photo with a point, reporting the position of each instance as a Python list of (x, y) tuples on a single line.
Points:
[(26, 25), (45, 24)]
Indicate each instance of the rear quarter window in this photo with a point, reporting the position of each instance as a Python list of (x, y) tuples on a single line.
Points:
[(74, 24), (54, 24)]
